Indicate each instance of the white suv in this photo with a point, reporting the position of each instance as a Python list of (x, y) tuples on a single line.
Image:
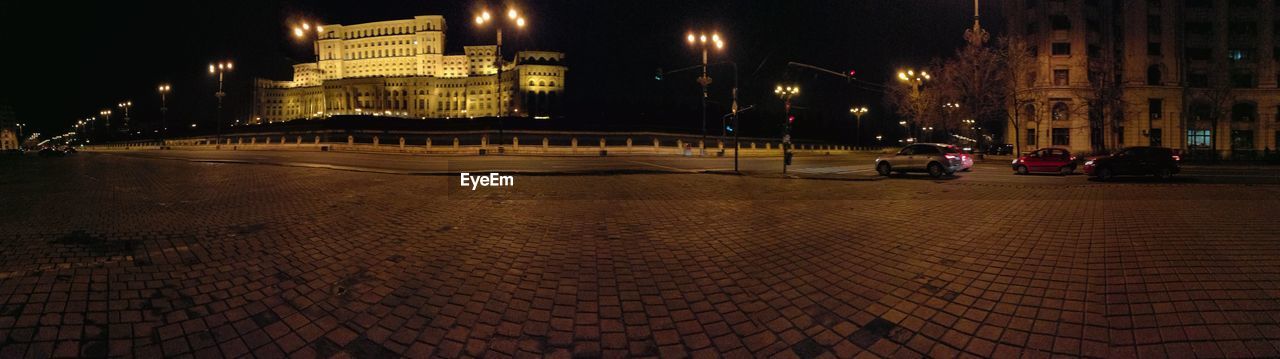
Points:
[(933, 158)]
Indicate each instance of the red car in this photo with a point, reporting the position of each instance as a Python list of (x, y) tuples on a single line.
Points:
[(1046, 160)]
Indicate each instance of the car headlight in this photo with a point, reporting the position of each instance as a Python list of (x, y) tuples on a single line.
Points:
[(1015, 161), (1088, 163)]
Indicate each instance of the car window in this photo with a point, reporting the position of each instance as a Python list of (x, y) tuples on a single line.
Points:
[(926, 150), (950, 149), (907, 150)]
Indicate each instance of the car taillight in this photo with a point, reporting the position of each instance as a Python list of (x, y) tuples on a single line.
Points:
[(952, 157), (1177, 158)]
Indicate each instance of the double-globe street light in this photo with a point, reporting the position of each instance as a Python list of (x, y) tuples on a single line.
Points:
[(514, 19), (164, 90), (701, 42), (786, 93), (220, 69)]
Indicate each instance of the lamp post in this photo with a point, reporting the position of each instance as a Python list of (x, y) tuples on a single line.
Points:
[(513, 18), (857, 119), (164, 90), (916, 80), (124, 124), (301, 32), (786, 93), (106, 114), (220, 69), (701, 42)]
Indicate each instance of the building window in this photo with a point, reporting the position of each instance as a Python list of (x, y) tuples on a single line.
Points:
[(1199, 28), (1032, 28), (1243, 112), (1242, 78), (1061, 137), (1153, 75), (1031, 137), (1156, 137), (1198, 80), (1242, 139), (1061, 77), (1242, 29), (1199, 138), (1154, 26), (1120, 135), (1060, 111), (1154, 4), (1060, 22), (1199, 53), (1062, 49), (1154, 49), (1244, 54), (1204, 4), (1244, 4)]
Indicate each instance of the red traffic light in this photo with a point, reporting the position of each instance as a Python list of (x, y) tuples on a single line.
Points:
[(791, 119), (852, 72)]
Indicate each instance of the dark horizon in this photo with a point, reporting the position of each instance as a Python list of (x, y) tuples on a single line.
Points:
[(612, 48)]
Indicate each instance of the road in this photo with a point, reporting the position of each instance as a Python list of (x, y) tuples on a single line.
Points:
[(138, 254), (854, 166)]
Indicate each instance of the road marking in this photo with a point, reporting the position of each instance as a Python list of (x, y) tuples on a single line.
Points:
[(834, 170)]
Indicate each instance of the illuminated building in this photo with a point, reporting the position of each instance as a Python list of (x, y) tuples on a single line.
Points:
[(1186, 74), (399, 68)]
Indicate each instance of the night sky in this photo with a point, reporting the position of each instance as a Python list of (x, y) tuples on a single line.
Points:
[(68, 60)]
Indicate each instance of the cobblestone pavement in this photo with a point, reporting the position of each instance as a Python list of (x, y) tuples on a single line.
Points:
[(109, 255)]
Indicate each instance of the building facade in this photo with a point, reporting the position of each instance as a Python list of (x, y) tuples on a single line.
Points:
[(1198, 75), (399, 68)]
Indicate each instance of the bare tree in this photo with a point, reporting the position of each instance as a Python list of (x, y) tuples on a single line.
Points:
[(1220, 97), (977, 79)]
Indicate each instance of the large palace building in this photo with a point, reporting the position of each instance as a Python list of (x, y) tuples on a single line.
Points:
[(398, 68), (1188, 74)]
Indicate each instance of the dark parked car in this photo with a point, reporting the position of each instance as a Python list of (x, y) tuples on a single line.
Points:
[(1046, 160), (1139, 161), (1000, 149)]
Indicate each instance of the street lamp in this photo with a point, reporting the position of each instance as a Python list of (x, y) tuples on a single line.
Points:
[(916, 80), (106, 114), (857, 118), (304, 31), (701, 41), (513, 18), (786, 93), (124, 124), (164, 90), (220, 69)]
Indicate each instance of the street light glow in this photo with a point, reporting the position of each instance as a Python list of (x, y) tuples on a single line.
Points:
[(520, 22), (306, 26), (690, 38), (479, 20), (703, 38), (297, 32), (511, 14), (485, 15)]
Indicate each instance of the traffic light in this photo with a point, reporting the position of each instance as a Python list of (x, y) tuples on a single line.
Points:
[(791, 119), (658, 75), (852, 72), (728, 128)]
